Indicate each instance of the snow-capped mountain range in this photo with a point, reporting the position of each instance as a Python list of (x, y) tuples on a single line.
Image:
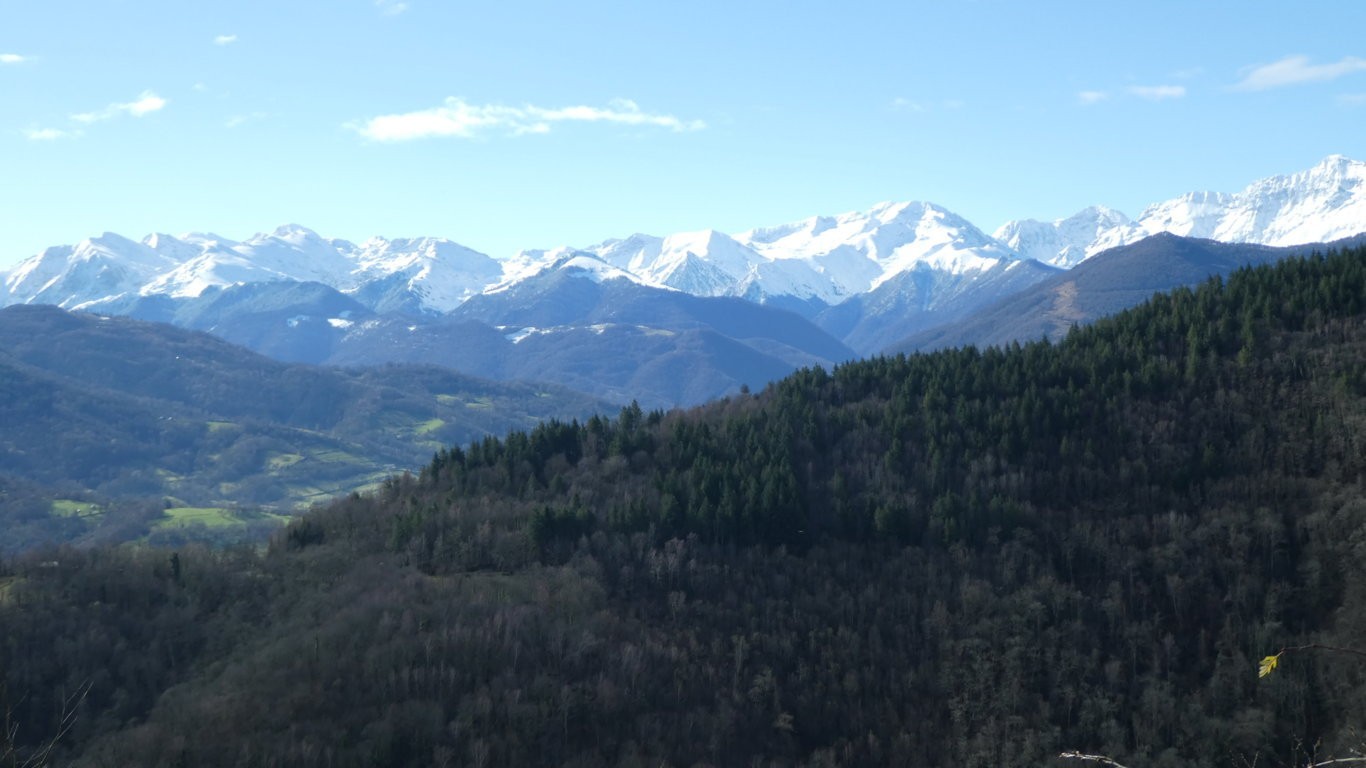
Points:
[(815, 263), (1325, 203)]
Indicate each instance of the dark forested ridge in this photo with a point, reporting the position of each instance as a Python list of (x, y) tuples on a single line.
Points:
[(965, 558)]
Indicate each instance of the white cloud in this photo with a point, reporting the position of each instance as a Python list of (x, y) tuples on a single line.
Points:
[(460, 119), (1294, 70), (146, 103), (225, 40), (49, 134), (1352, 99), (1092, 97), (391, 7), (12, 58), (1158, 92), (901, 104)]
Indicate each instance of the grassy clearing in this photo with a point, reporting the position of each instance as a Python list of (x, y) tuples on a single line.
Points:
[(335, 457), (215, 517), (307, 495), (480, 403), (75, 508), (212, 517), (219, 426), (447, 399), (429, 426), (283, 460)]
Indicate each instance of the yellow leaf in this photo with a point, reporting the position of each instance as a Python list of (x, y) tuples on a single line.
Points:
[(1268, 664)]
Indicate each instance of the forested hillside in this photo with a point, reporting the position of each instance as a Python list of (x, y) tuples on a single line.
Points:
[(965, 558), (119, 409)]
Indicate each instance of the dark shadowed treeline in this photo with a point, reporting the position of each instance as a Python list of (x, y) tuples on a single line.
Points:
[(966, 558)]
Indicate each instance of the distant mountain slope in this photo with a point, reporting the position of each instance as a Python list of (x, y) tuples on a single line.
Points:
[(127, 407), (611, 337), (924, 298), (1325, 203), (286, 320), (1103, 285), (421, 275)]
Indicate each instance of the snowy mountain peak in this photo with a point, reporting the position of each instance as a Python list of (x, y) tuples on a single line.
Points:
[(439, 274), (819, 260), (1338, 164), (1067, 242), (1324, 203), (106, 243), (570, 262), (293, 233), (583, 264), (810, 227)]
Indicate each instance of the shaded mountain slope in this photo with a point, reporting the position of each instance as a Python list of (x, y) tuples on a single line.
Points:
[(1102, 285), (128, 407), (920, 298)]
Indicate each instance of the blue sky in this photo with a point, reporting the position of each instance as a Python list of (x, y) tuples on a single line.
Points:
[(534, 124)]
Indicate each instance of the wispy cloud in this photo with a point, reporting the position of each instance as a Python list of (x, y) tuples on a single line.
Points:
[(145, 104), (1295, 70), (225, 40), (12, 58), (1352, 99), (1158, 92), (391, 7), (460, 119), (49, 134), (1092, 97), (239, 120)]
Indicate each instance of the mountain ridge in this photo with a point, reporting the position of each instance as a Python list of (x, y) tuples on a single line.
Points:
[(823, 258), (866, 277), (1324, 203)]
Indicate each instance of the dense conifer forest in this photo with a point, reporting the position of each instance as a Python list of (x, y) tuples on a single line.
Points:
[(965, 558)]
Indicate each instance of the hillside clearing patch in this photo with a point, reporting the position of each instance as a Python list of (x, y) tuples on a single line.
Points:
[(75, 508), (428, 426), (212, 517), (283, 460)]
